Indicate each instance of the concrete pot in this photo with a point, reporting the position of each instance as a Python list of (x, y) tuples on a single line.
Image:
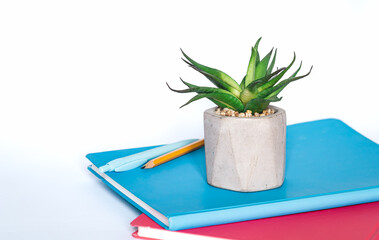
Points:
[(245, 154)]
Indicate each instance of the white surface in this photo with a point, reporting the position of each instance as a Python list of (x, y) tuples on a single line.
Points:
[(86, 76)]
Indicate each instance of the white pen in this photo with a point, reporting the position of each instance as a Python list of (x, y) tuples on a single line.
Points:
[(135, 160)]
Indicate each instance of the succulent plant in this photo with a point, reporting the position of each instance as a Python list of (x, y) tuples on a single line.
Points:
[(260, 86)]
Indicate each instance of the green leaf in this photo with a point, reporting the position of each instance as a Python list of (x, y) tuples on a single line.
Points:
[(259, 104), (252, 90), (219, 96), (197, 89), (269, 70), (250, 74), (274, 91), (261, 68), (256, 48), (253, 62), (269, 76), (273, 81), (257, 43), (223, 105), (216, 81), (217, 77), (295, 73), (242, 84), (221, 99), (195, 98)]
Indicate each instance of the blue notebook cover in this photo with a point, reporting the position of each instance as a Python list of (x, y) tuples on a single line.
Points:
[(328, 164)]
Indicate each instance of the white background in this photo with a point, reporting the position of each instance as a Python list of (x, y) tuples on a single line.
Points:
[(87, 76)]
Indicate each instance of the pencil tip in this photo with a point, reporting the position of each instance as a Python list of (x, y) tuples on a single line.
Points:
[(143, 167)]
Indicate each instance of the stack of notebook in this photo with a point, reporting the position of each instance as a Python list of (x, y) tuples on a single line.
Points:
[(330, 191)]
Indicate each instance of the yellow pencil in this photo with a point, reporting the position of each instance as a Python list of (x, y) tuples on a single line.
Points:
[(174, 154)]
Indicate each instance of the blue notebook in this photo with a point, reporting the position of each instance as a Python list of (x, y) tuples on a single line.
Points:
[(328, 165)]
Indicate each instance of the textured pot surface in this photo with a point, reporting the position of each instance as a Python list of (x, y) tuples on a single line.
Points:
[(245, 154)]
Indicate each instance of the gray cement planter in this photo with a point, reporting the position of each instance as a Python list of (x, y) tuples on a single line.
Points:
[(245, 154)]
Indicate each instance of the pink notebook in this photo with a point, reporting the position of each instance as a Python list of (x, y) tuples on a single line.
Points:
[(353, 222)]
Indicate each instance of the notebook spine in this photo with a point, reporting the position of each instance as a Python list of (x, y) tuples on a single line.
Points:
[(273, 209)]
